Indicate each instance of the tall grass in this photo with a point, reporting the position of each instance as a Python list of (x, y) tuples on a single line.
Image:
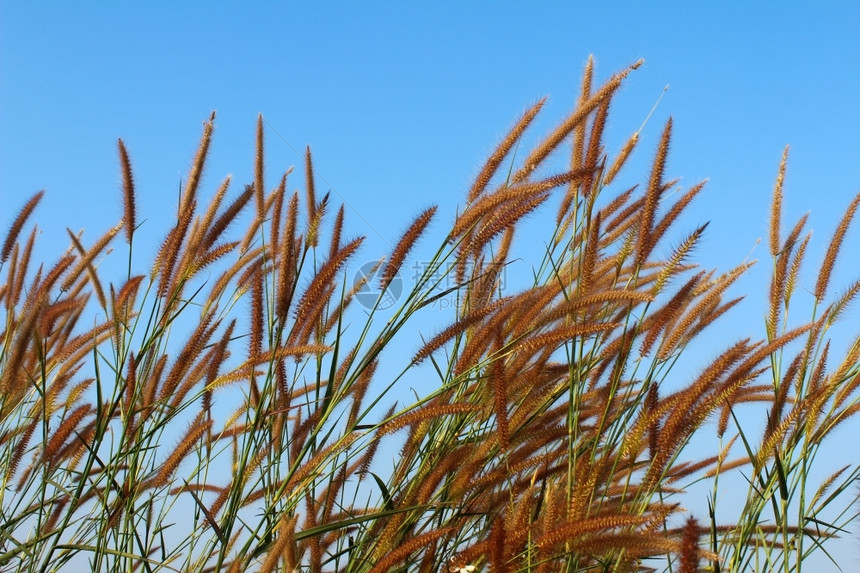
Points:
[(225, 410)]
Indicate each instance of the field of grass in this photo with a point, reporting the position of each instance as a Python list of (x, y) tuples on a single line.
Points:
[(222, 408)]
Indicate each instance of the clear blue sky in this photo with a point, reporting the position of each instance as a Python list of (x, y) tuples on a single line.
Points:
[(401, 102)]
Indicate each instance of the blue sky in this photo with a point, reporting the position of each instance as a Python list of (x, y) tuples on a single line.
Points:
[(401, 102)]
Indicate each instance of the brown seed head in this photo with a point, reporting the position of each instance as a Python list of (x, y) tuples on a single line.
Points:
[(17, 224), (652, 197), (833, 249), (196, 173), (407, 241), (776, 205), (128, 216), (502, 150), (259, 187)]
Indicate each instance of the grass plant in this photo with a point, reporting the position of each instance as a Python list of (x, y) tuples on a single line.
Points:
[(223, 409)]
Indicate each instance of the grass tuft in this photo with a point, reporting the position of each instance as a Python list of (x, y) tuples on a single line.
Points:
[(236, 419)]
